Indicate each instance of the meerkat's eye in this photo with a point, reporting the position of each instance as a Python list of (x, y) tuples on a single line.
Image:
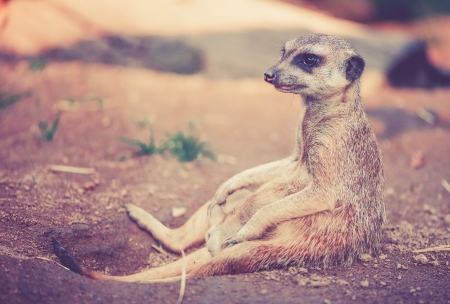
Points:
[(309, 60)]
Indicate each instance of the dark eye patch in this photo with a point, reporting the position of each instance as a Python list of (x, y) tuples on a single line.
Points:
[(307, 61)]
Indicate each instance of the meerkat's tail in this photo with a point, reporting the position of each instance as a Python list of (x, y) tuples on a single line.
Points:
[(70, 262)]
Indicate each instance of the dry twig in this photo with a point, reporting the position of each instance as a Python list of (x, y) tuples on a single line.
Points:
[(159, 249), (54, 262), (437, 248), (183, 278), (70, 169)]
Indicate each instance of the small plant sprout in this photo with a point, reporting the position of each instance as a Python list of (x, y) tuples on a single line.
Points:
[(48, 133), (9, 100), (187, 148), (37, 64), (146, 149)]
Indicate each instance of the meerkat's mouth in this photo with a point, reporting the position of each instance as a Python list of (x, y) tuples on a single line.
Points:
[(289, 88)]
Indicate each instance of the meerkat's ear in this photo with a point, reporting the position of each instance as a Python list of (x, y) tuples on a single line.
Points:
[(355, 67)]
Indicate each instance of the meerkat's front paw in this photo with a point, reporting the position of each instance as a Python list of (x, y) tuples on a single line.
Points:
[(243, 235), (217, 235), (220, 198), (213, 203)]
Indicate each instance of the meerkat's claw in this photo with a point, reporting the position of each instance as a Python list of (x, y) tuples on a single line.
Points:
[(213, 204), (229, 242)]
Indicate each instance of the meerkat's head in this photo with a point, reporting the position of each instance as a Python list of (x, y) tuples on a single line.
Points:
[(316, 65)]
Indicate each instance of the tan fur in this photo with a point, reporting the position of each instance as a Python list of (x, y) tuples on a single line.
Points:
[(320, 207)]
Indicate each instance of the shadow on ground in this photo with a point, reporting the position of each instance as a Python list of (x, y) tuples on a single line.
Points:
[(398, 121)]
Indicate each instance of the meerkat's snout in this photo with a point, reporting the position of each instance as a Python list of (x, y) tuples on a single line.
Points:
[(269, 75)]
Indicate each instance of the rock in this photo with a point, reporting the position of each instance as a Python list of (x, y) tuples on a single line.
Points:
[(301, 280), (364, 283), (303, 270), (447, 218), (412, 68), (293, 270), (421, 258), (342, 282), (178, 211), (365, 257), (226, 159), (417, 160), (152, 189), (429, 209), (89, 186)]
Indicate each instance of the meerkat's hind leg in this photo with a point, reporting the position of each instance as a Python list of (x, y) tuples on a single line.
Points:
[(192, 232)]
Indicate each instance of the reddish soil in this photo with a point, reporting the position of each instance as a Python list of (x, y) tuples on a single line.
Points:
[(245, 119), (247, 123)]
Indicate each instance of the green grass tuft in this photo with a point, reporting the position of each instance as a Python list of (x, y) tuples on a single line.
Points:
[(146, 149), (37, 64), (9, 100), (48, 133), (184, 147), (187, 148)]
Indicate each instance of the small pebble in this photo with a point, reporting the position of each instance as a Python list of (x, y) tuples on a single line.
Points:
[(421, 258), (447, 218), (417, 160), (365, 257), (382, 256), (178, 211), (364, 283), (89, 186)]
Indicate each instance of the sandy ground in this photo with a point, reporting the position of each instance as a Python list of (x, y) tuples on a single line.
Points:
[(247, 123)]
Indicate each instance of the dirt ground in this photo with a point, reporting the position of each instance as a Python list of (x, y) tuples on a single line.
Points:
[(247, 123)]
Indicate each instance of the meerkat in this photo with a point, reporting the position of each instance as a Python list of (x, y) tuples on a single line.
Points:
[(322, 206)]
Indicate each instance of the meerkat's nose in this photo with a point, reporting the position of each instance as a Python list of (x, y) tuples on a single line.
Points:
[(269, 76)]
